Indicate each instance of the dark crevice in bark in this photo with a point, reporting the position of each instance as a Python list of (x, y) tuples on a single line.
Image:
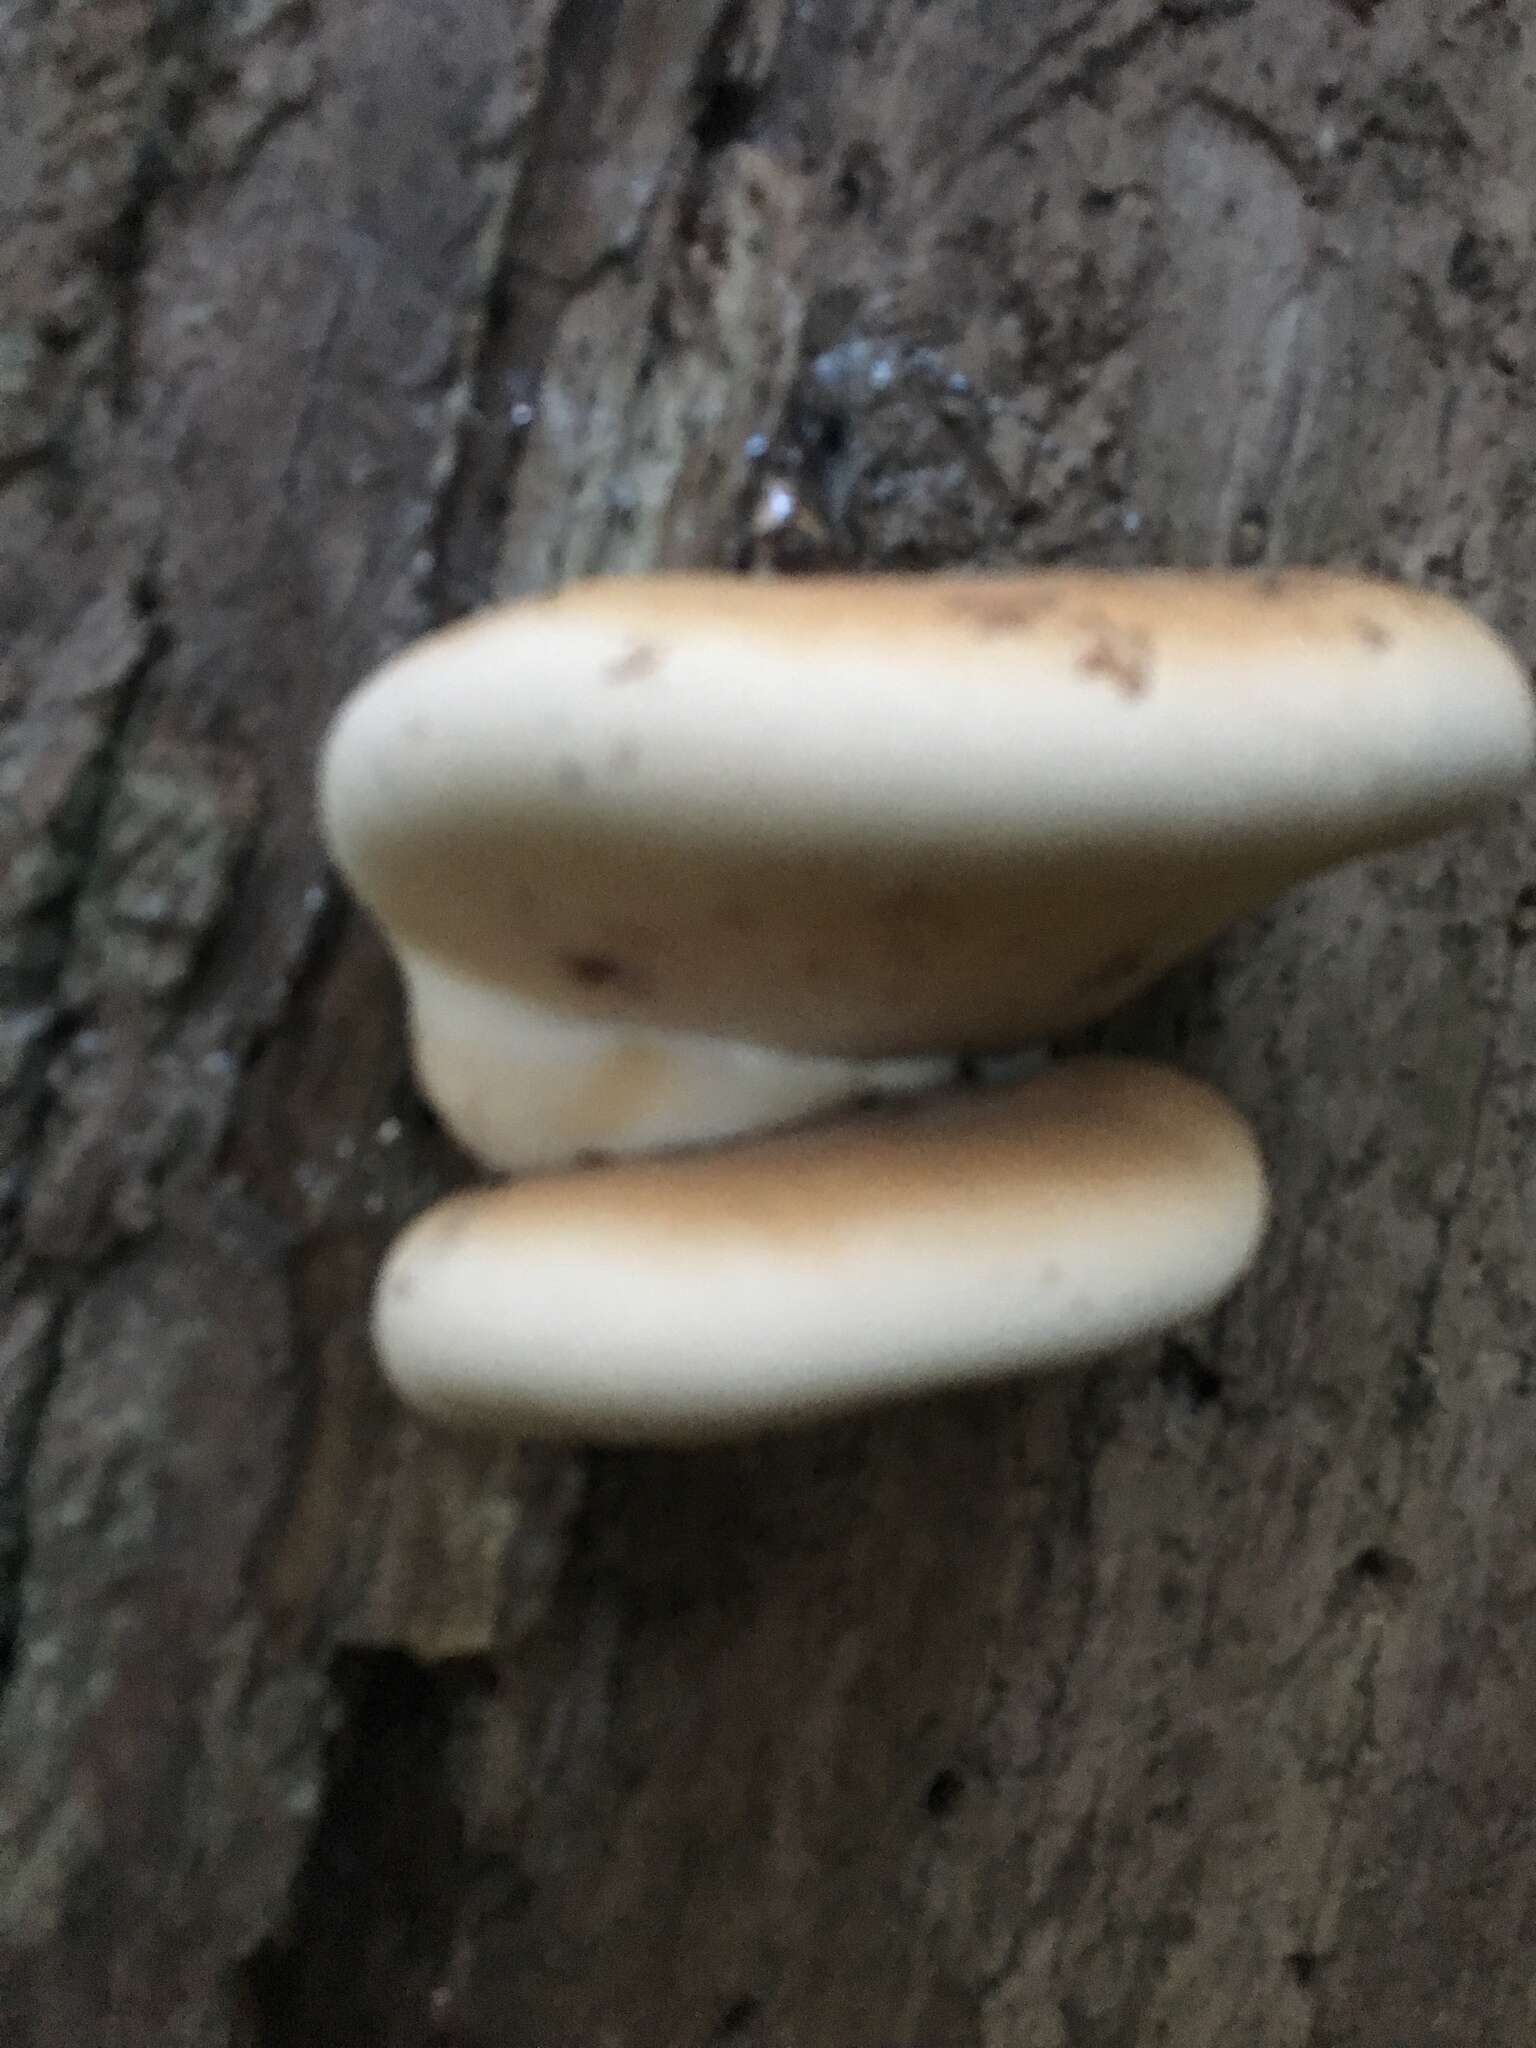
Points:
[(80, 829), (24, 1412), (546, 262), (725, 102), (361, 1961), (525, 298), (78, 825), (176, 52)]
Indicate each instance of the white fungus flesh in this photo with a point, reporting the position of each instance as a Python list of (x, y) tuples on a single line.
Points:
[(672, 858), (919, 1246)]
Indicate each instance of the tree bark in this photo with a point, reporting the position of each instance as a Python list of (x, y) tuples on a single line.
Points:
[(1183, 1700)]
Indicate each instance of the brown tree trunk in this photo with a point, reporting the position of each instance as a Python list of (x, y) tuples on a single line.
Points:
[(1185, 1700)]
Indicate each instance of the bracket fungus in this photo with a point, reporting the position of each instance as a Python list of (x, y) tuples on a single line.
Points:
[(675, 860), (920, 1245)]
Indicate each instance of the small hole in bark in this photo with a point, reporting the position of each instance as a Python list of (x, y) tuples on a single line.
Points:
[(1185, 1373), (860, 184), (1252, 535), (725, 117), (737, 2017), (828, 437), (1522, 922), (1470, 270), (1415, 1398), (1377, 1566), (946, 1789)]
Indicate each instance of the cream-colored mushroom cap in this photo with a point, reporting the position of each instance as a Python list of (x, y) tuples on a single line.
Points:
[(916, 1247), (669, 858)]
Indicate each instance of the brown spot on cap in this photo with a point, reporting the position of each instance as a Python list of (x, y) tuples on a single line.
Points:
[(1001, 611), (1374, 634), (1121, 655), (636, 664)]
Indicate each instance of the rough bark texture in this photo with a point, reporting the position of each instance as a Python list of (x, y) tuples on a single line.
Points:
[(1188, 1700)]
